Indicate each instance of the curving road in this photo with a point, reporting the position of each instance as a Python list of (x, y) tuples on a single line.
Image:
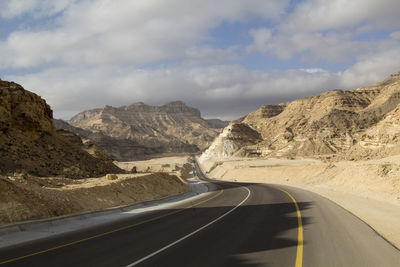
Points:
[(236, 224)]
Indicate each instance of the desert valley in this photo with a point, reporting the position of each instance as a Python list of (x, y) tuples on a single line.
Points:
[(200, 133), (343, 145)]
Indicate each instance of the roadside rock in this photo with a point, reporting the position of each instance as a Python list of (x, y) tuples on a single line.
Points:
[(29, 142), (111, 177)]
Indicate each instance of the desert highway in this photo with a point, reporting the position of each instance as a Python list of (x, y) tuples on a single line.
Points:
[(236, 224)]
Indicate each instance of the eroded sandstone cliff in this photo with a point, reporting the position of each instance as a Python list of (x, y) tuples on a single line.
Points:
[(140, 131), (29, 143), (352, 124)]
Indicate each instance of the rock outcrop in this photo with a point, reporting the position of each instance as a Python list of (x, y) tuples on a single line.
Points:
[(234, 138), (380, 140), (140, 131), (30, 144), (348, 123)]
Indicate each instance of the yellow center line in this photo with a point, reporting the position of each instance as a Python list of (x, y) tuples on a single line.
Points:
[(112, 231), (299, 255)]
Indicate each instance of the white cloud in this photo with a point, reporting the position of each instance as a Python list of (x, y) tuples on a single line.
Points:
[(261, 38), (208, 55), (328, 31), (315, 70), (124, 31), (321, 15), (372, 68), (312, 47), (395, 35), (14, 8), (227, 91), (93, 54), (213, 89)]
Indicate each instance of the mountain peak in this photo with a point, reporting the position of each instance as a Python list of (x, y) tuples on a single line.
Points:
[(176, 103), (139, 104), (148, 130), (180, 107)]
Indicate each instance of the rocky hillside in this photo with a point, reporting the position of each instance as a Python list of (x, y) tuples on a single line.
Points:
[(139, 131), (352, 124), (30, 144), (380, 140)]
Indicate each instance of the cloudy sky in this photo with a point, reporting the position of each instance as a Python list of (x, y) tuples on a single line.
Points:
[(225, 57)]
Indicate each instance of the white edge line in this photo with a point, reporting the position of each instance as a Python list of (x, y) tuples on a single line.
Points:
[(189, 235)]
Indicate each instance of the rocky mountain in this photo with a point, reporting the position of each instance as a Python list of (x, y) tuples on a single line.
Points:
[(352, 124), (63, 125), (217, 123), (140, 131), (30, 144), (380, 140)]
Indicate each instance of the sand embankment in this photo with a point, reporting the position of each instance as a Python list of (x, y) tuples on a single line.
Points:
[(29, 198), (368, 189)]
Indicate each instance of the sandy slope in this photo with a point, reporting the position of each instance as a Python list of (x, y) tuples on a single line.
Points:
[(369, 189), (166, 164), (27, 197)]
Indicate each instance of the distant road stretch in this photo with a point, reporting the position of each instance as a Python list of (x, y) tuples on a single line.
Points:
[(236, 224)]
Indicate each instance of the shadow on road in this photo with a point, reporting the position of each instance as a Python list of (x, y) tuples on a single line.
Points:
[(258, 233)]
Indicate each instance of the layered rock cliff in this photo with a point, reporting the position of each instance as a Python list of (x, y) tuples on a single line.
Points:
[(29, 143), (140, 131), (347, 123), (380, 140)]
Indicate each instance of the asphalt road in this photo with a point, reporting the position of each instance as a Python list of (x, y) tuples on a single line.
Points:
[(235, 225)]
